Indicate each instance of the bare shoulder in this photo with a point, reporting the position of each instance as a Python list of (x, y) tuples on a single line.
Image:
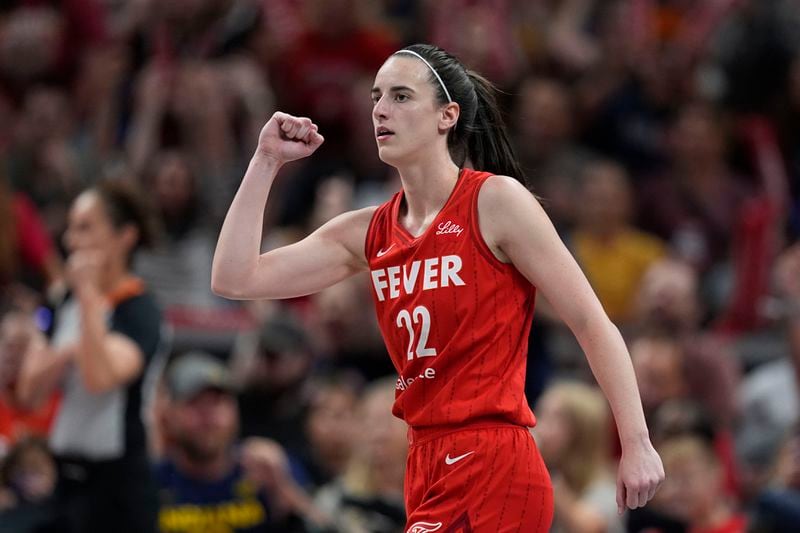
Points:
[(505, 206), (498, 190)]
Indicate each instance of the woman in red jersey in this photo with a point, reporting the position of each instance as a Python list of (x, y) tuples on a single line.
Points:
[(455, 259)]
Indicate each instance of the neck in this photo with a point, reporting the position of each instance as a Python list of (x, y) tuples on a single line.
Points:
[(206, 470), (114, 275), (427, 184)]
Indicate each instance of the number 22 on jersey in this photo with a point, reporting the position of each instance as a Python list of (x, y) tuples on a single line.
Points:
[(420, 315)]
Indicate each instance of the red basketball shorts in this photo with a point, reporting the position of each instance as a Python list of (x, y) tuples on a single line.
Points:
[(477, 480)]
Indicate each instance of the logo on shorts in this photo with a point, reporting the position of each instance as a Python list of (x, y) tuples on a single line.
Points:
[(453, 460), (424, 527)]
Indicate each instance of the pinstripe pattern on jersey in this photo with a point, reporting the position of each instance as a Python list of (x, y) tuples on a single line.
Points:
[(479, 328)]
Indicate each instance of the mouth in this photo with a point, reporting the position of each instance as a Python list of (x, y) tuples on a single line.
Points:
[(382, 133)]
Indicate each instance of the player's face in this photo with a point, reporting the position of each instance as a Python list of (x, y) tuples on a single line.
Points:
[(406, 114)]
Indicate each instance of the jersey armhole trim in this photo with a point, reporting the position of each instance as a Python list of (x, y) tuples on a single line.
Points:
[(474, 222), (369, 241)]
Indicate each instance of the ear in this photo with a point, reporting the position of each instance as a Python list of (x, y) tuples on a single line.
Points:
[(129, 236), (449, 116)]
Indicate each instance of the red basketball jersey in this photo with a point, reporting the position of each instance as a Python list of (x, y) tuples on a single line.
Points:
[(454, 318)]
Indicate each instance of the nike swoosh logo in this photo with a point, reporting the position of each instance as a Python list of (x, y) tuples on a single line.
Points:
[(453, 460), (381, 253)]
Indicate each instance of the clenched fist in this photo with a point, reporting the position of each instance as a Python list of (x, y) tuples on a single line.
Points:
[(287, 138), (85, 269)]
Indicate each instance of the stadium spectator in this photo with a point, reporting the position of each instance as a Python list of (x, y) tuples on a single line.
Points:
[(693, 490), (17, 331), (337, 46), (662, 370), (368, 496), (27, 481), (668, 301), (27, 253), (272, 371), (695, 204), (209, 481), (571, 431), (179, 270), (545, 130), (778, 505), (614, 254), (332, 426)]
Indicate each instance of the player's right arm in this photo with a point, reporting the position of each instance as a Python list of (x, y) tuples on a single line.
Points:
[(330, 254)]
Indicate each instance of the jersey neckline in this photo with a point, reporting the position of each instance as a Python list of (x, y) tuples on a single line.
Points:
[(402, 194)]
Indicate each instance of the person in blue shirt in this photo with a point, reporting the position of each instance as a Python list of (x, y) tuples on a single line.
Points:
[(207, 480)]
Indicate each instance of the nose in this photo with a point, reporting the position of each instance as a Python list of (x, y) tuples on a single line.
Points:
[(379, 110)]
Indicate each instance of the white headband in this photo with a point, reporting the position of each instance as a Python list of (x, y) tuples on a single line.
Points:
[(413, 53)]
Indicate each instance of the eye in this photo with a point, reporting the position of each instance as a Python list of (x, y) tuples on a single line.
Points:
[(375, 98), (400, 97)]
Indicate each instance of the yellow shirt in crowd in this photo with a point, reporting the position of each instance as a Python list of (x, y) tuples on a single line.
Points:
[(615, 267)]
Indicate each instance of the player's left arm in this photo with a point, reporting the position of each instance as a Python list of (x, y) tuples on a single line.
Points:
[(518, 231)]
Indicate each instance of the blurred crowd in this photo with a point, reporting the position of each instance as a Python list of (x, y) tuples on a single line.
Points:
[(662, 137)]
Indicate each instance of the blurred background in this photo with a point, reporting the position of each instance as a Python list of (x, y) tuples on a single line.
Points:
[(662, 136)]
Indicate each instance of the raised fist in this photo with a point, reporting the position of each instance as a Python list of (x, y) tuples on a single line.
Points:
[(287, 138)]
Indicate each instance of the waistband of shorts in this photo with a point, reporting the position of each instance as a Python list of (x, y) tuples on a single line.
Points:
[(420, 435)]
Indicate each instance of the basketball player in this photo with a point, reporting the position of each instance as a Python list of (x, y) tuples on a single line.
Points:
[(455, 260)]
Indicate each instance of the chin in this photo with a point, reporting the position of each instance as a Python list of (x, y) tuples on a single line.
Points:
[(392, 156)]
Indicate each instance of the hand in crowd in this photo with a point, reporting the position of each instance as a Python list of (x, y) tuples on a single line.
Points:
[(153, 88), (198, 92), (202, 97), (30, 350), (104, 69), (246, 83), (85, 269), (266, 463)]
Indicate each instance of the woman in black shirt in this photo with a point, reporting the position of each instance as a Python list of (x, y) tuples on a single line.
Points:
[(105, 335)]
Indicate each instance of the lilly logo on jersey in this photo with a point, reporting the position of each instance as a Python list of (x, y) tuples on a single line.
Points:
[(424, 527), (448, 227)]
